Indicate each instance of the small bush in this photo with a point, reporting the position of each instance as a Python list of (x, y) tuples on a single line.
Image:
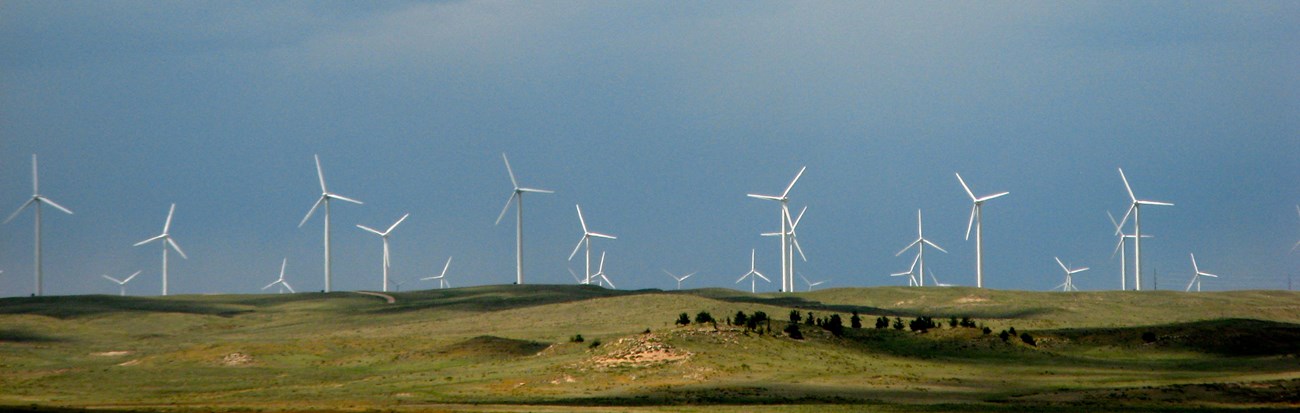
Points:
[(704, 317), (855, 321), (577, 338), (834, 325), (987, 330), (740, 319), (647, 331), (967, 322), (1148, 337), (882, 322), (809, 320), (1028, 339), (1004, 335), (683, 319), (922, 324), (792, 330), (952, 322), (1012, 331), (898, 323), (795, 316), (594, 343)]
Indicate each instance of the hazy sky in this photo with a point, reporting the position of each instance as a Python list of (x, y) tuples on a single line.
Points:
[(657, 117)]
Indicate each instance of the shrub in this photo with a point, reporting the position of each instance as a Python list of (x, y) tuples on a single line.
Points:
[(882, 322), (704, 317), (855, 321), (987, 330), (809, 320), (1012, 331), (594, 343), (1004, 335), (647, 331), (577, 338), (1028, 339), (898, 323), (759, 317), (967, 322), (795, 316), (740, 319), (834, 325), (683, 319), (792, 330), (952, 322), (922, 324), (1148, 337)]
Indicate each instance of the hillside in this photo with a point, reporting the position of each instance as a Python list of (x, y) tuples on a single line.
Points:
[(505, 348)]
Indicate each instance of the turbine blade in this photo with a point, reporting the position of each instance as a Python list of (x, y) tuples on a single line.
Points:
[(111, 279), (149, 240), (799, 248), (289, 287), (54, 204), (1126, 186), (167, 225), (742, 278), (1058, 262), (535, 190), (684, 277), (915, 260), (283, 263), (611, 283), (20, 209), (994, 196), (444, 268), (128, 279), (669, 274), (272, 284), (908, 247), (935, 245), (580, 219), (767, 197), (574, 275), (311, 211), (786, 194), (1158, 203), (797, 219), (1118, 245), (395, 224), (176, 247), (36, 185), (971, 222), (1124, 220), (601, 269), (1079, 270), (760, 275), (507, 207), (770, 234), (510, 171), (320, 173), (1190, 283), (964, 186), (344, 198), (1113, 222), (372, 230), (577, 247), (599, 235), (1207, 274)]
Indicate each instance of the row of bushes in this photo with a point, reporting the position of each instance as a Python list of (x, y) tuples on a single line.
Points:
[(760, 322)]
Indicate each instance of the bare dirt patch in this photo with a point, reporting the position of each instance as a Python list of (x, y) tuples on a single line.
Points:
[(236, 359), (971, 299), (639, 351), (129, 363), (117, 353)]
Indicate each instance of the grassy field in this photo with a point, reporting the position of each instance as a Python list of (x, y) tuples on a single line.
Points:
[(508, 348)]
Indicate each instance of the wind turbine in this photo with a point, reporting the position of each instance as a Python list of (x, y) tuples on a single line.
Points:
[(398, 284), (679, 279), (325, 197), (977, 219), (442, 277), (910, 273), (384, 236), (920, 250), (1123, 252), (121, 284), (793, 241), (166, 240), (283, 284), (518, 197), (1068, 285), (1196, 278), (37, 199), (1136, 210), (787, 259), (1297, 243), (751, 274), (810, 283), (586, 240), (600, 273)]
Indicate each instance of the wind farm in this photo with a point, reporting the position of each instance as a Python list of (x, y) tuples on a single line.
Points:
[(681, 129)]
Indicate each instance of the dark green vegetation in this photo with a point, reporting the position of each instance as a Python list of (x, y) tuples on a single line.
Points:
[(533, 348)]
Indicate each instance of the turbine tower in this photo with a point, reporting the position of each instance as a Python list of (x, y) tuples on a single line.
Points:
[(280, 281), (1136, 210), (586, 241), (787, 259), (37, 199), (167, 241), (1068, 285), (977, 219), (679, 279), (792, 238), (384, 236), (751, 274), (325, 197), (121, 284), (1123, 252), (1196, 277), (518, 197), (920, 243), (442, 277)]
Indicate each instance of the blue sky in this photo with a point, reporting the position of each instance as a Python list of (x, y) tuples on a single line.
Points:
[(658, 118)]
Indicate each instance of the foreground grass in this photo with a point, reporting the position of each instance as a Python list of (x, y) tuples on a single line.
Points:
[(506, 348)]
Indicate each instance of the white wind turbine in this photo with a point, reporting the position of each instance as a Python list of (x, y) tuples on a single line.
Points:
[(384, 236), (752, 274), (600, 273), (1068, 285), (910, 273), (586, 241), (811, 284), (37, 199), (792, 238), (787, 257), (121, 284), (679, 279), (1196, 277), (166, 240), (920, 250), (1136, 210), (1123, 252), (442, 277), (325, 198), (280, 281), (397, 284), (518, 197), (977, 219)]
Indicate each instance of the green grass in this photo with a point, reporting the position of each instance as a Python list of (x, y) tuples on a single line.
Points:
[(506, 348)]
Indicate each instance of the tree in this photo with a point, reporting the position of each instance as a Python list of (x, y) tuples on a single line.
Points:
[(898, 323), (855, 321), (683, 319), (703, 317), (795, 316), (809, 320), (792, 330), (1148, 337), (952, 322), (966, 322), (882, 322), (759, 317), (1004, 335), (1028, 339), (740, 319), (922, 324), (1013, 331), (834, 325), (987, 330)]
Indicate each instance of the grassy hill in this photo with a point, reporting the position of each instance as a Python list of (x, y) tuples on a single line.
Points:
[(508, 348)]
